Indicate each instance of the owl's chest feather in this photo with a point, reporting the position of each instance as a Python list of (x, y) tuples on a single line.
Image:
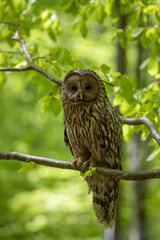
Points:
[(81, 127)]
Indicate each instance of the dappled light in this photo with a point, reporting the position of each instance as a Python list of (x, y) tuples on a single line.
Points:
[(40, 42)]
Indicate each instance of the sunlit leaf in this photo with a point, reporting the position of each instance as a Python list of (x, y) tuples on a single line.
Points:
[(158, 14), (47, 103), (137, 32), (127, 89), (55, 90), (56, 106), (150, 9), (123, 39), (88, 173), (83, 28), (125, 7), (105, 68), (2, 78), (111, 8), (135, 16), (3, 59), (10, 55), (45, 14), (76, 26), (115, 74), (26, 167), (154, 155), (144, 64), (100, 14), (153, 66), (73, 7), (57, 72), (145, 40)]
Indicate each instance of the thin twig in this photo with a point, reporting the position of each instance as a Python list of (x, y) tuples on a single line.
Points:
[(9, 23), (12, 69), (39, 160), (122, 175), (32, 65), (145, 121)]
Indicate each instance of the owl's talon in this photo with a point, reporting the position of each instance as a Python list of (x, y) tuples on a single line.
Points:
[(86, 165), (74, 163), (78, 162), (92, 164)]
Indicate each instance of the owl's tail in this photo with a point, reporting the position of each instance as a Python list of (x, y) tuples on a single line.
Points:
[(105, 191)]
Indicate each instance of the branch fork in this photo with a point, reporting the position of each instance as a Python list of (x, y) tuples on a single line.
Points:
[(32, 65)]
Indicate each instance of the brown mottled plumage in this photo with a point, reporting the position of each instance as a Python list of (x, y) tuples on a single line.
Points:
[(94, 134)]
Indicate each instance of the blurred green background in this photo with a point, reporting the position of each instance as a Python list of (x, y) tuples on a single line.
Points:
[(47, 203)]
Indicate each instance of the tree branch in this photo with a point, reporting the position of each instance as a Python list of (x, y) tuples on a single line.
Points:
[(122, 175), (145, 121), (38, 160), (12, 69), (32, 65)]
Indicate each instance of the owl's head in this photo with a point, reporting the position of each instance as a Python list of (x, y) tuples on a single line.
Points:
[(81, 86)]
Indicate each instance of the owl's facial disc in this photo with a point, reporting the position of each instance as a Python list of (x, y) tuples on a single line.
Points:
[(81, 89)]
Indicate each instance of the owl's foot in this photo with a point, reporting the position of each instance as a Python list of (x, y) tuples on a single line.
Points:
[(89, 163), (82, 164), (78, 162), (92, 162)]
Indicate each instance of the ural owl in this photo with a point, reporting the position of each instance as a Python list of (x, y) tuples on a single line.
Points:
[(93, 131)]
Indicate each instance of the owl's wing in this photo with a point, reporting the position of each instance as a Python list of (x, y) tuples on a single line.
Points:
[(66, 140), (110, 141)]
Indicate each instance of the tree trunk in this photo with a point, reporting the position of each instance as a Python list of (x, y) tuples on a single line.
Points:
[(140, 152), (113, 234)]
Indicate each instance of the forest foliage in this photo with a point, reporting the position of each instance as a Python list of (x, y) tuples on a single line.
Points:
[(61, 36)]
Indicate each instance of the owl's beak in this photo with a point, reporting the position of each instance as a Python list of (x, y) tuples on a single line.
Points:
[(81, 96)]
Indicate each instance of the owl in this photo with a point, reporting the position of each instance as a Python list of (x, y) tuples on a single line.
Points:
[(93, 132)]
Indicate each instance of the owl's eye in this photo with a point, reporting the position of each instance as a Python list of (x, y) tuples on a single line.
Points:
[(74, 88), (88, 87)]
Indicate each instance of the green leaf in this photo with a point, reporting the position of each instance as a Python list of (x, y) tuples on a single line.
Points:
[(105, 68), (47, 103), (153, 155), (45, 14), (83, 28), (158, 14), (137, 32), (153, 67), (26, 167), (56, 70), (3, 59), (2, 78), (135, 16), (73, 8), (145, 40), (150, 9), (125, 7), (123, 39), (156, 48), (111, 8), (56, 106), (10, 55), (88, 173), (157, 99), (127, 89), (76, 26), (115, 74), (100, 14), (55, 90), (54, 51), (144, 64)]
